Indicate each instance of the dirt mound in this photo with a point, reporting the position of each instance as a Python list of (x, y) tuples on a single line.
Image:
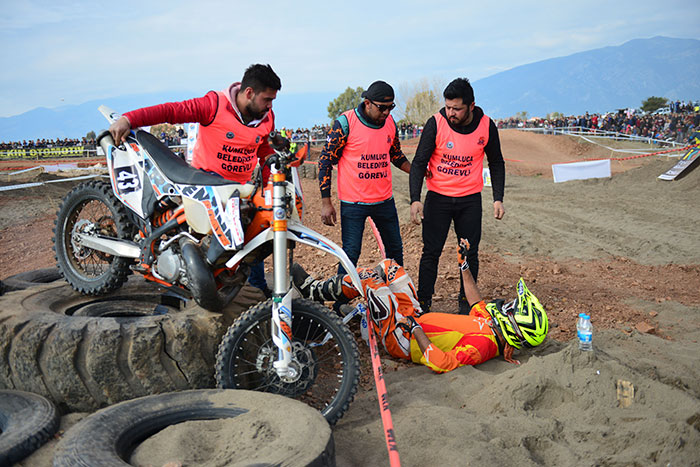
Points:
[(633, 214), (560, 407), (528, 153)]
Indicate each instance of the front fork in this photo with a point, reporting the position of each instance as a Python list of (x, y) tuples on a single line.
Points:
[(282, 292)]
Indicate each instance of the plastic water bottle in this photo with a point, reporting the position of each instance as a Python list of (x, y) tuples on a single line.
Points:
[(585, 332)]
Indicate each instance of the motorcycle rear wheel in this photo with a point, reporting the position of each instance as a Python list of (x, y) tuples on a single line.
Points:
[(91, 206), (328, 373)]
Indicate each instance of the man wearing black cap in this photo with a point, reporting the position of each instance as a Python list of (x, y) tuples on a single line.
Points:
[(362, 142)]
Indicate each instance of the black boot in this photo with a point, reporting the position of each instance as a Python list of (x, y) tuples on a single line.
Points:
[(301, 280), (425, 306), (319, 291), (464, 308)]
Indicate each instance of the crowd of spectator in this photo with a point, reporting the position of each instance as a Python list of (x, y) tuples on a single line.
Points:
[(317, 134), (674, 124), (409, 130), (49, 143), (171, 140)]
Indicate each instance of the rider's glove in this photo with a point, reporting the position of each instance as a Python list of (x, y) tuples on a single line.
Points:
[(279, 142), (409, 324), (462, 249)]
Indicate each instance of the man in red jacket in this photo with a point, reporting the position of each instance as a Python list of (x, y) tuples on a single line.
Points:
[(234, 128), (234, 123)]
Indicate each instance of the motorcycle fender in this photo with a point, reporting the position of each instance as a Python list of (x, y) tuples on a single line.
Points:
[(299, 233), (259, 239), (302, 234)]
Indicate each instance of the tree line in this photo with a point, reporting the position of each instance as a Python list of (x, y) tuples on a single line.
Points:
[(423, 99)]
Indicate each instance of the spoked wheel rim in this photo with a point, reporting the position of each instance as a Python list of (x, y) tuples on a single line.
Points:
[(90, 216), (317, 359)]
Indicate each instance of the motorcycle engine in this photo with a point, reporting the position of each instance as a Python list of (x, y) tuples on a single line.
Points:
[(169, 265)]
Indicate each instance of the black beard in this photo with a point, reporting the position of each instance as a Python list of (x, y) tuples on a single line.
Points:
[(254, 113), (463, 121)]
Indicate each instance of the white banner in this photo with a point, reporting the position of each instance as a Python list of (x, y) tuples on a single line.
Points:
[(581, 170)]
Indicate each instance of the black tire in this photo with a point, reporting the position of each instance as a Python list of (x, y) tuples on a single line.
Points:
[(28, 279), (311, 170), (328, 374), (91, 205), (27, 421), (109, 437), (84, 353)]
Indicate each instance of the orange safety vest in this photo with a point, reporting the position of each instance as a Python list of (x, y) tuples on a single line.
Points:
[(364, 170), (458, 160), (227, 146)]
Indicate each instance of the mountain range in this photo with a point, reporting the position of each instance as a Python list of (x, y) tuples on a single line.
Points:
[(594, 81)]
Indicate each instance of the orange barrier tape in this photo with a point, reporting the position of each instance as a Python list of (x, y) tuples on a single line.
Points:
[(383, 398), (651, 154), (378, 237), (632, 157)]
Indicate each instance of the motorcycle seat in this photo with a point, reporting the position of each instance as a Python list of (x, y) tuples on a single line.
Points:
[(175, 168)]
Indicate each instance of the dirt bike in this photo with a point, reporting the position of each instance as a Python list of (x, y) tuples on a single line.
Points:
[(197, 233)]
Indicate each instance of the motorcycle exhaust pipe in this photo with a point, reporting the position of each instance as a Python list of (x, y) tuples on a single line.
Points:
[(199, 275), (201, 282)]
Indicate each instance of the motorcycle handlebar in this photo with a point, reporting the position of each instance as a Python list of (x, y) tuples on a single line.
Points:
[(280, 158), (104, 140)]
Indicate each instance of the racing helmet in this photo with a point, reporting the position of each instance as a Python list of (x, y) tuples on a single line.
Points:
[(522, 321)]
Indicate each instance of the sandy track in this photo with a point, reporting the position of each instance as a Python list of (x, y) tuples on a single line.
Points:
[(625, 249)]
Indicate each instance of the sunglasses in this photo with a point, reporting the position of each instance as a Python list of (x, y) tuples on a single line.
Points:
[(383, 107)]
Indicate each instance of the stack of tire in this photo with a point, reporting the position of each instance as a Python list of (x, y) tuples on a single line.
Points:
[(136, 355), (308, 169), (84, 353)]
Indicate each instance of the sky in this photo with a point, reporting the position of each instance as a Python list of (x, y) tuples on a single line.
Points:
[(68, 52)]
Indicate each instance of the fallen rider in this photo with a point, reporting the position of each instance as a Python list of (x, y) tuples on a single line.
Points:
[(441, 341)]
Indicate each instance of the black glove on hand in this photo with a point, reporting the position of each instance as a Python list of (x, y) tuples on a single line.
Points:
[(409, 324), (279, 142), (462, 249)]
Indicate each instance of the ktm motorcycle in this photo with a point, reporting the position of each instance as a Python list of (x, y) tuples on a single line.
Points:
[(198, 234)]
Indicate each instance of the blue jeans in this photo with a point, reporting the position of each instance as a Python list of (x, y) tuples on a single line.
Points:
[(257, 276), (352, 225)]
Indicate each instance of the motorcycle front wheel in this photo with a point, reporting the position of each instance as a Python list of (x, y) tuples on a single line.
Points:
[(325, 357)]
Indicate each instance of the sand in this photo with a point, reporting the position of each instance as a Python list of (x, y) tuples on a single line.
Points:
[(626, 250), (560, 408)]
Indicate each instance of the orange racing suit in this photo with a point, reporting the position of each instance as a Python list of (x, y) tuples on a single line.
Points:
[(456, 340)]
